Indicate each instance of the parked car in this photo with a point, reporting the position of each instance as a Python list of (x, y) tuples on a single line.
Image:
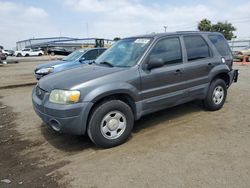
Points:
[(8, 52), (3, 56), (28, 52), (135, 77), (239, 55), (75, 59), (58, 51)]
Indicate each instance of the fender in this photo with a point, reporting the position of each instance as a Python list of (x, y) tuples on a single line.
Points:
[(222, 68), (111, 89)]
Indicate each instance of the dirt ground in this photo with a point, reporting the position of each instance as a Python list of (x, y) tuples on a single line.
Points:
[(183, 146)]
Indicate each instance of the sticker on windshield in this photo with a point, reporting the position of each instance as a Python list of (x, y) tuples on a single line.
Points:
[(142, 41)]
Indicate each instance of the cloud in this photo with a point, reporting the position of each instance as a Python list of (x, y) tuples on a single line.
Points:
[(129, 17), (111, 18), (20, 22)]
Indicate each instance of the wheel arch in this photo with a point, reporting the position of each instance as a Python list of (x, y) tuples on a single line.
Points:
[(123, 96), (222, 75)]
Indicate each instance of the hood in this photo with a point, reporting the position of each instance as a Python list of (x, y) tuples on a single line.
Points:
[(72, 77), (51, 64)]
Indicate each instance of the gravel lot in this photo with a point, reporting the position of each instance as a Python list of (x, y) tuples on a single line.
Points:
[(183, 146)]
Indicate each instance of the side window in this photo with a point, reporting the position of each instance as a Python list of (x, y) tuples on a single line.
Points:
[(100, 51), (169, 50), (220, 43), (196, 48), (91, 55)]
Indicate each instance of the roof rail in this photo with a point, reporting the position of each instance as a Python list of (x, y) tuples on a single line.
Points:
[(189, 31)]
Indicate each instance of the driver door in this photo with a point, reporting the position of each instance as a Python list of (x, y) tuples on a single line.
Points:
[(89, 56), (163, 86)]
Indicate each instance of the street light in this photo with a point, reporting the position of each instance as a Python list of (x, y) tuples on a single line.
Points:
[(165, 27)]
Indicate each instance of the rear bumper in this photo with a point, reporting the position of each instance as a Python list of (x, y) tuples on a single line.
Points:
[(233, 75), (70, 118)]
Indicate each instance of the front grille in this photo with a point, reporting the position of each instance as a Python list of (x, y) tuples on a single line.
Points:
[(40, 93)]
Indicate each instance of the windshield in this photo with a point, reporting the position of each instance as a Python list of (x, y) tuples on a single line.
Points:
[(124, 53), (74, 55)]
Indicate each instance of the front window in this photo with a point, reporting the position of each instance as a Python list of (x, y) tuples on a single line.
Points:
[(125, 53), (74, 56), (169, 50)]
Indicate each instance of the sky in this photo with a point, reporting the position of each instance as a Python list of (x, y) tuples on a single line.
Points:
[(24, 19)]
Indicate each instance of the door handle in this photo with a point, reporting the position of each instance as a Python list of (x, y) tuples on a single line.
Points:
[(177, 72)]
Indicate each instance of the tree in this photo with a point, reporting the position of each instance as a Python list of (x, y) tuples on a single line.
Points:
[(205, 25), (225, 28), (117, 38)]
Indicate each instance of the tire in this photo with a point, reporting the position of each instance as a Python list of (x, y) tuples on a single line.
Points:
[(52, 53), (40, 54), (110, 124), (19, 55), (216, 96), (27, 55)]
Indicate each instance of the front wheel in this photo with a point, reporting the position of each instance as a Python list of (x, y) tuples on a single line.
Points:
[(110, 124), (216, 96)]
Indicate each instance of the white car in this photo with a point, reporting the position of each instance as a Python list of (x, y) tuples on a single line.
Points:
[(6, 52), (29, 52)]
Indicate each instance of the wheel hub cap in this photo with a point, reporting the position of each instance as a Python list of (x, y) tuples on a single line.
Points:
[(218, 95), (113, 125)]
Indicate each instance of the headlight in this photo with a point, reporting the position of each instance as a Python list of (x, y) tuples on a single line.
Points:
[(45, 70), (64, 96)]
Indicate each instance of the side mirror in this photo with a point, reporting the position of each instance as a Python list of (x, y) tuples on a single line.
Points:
[(155, 63), (82, 60)]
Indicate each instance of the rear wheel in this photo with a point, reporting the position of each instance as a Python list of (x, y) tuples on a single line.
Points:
[(27, 55), (19, 55), (110, 124), (40, 54), (216, 96)]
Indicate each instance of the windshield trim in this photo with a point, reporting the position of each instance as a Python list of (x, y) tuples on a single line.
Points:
[(152, 39)]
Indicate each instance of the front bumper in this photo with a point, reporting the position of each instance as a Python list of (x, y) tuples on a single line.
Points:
[(38, 76), (71, 118)]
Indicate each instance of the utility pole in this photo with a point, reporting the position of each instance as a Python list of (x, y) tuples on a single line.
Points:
[(87, 29), (165, 27)]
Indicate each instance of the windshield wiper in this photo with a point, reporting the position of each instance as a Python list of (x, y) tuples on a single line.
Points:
[(106, 63)]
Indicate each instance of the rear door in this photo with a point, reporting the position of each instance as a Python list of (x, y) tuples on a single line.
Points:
[(198, 63), (162, 87)]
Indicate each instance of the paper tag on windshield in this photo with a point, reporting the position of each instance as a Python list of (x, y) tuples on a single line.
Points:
[(142, 41)]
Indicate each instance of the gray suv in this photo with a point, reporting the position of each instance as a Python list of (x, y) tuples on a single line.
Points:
[(136, 76)]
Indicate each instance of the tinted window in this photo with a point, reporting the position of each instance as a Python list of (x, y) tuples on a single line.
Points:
[(196, 48), (169, 50), (91, 55), (220, 44), (101, 51)]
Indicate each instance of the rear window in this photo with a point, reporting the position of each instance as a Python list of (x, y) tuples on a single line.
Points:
[(196, 48), (220, 44)]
